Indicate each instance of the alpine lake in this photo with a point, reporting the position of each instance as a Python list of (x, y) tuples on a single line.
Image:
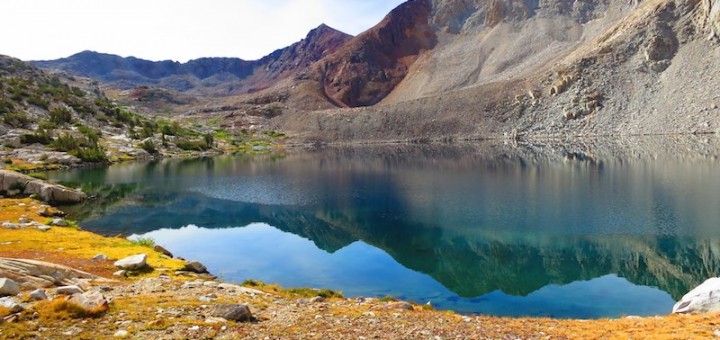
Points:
[(590, 230)]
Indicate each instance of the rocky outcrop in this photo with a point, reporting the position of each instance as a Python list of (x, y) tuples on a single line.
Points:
[(11, 181), (32, 274), (703, 298), (369, 67)]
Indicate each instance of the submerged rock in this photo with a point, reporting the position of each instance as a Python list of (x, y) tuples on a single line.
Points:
[(704, 298), (132, 262), (9, 287), (232, 312)]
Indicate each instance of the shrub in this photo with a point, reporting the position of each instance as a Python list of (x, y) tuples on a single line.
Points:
[(149, 146), (60, 115), (41, 136), (66, 143), (94, 154), (144, 242), (192, 145), (16, 119)]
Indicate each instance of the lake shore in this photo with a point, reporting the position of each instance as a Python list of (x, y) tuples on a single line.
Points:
[(163, 303)]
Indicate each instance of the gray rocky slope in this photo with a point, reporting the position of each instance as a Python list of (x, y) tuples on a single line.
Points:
[(546, 69)]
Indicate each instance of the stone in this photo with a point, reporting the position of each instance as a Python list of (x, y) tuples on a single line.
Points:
[(703, 298), (43, 227), (317, 299), (59, 222), (402, 305), (120, 273), (100, 257), (132, 262), (195, 267), (232, 312), (48, 192), (121, 334), (9, 225), (68, 290), (9, 287), (211, 284), (160, 249), (38, 294), (215, 320), (91, 303), (11, 304)]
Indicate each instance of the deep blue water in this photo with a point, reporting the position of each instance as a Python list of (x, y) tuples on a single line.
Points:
[(473, 229)]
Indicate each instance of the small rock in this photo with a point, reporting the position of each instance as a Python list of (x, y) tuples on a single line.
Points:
[(211, 284), (401, 305), (215, 320), (204, 299), (43, 227), (8, 287), (100, 257), (120, 273), (121, 334), (713, 106), (11, 304), (91, 302), (317, 299), (24, 220), (160, 249), (38, 294), (9, 225), (69, 290), (194, 328), (59, 222), (132, 262), (232, 312), (195, 267)]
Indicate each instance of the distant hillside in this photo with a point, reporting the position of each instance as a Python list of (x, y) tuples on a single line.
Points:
[(213, 76)]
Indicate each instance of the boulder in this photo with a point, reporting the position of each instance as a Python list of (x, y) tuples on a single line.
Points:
[(90, 303), (11, 304), (704, 298), (132, 262), (195, 267), (232, 312), (401, 305), (8, 287), (160, 249), (59, 222), (69, 290), (48, 192), (38, 294)]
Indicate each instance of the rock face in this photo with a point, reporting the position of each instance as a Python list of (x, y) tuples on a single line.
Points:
[(703, 298), (8, 287), (369, 66), (48, 192), (232, 312), (132, 262)]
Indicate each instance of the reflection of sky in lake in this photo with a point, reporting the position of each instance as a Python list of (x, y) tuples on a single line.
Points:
[(256, 189), (259, 251)]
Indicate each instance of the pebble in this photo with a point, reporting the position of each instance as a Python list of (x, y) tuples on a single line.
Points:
[(43, 227), (194, 328), (120, 273), (121, 333), (101, 257), (38, 294)]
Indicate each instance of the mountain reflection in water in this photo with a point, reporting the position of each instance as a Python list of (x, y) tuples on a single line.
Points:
[(506, 230)]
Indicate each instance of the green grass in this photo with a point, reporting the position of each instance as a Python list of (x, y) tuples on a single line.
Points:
[(148, 242)]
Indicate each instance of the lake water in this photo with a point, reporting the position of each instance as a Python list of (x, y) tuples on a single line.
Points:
[(495, 229)]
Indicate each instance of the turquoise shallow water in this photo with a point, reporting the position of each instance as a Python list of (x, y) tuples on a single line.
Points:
[(467, 229)]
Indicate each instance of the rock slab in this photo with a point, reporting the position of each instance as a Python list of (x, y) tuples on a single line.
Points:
[(48, 192), (8, 287), (232, 312), (703, 298), (91, 302), (132, 262)]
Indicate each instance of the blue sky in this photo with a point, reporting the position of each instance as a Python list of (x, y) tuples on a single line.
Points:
[(174, 29)]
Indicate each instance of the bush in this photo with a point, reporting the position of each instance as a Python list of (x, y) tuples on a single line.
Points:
[(16, 119), (91, 155), (192, 145), (41, 136), (144, 242), (66, 143), (60, 115), (149, 146)]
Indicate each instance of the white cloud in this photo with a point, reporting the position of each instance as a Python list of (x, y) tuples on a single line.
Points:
[(174, 29)]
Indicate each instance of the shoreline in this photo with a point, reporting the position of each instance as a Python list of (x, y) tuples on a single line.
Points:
[(277, 312)]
